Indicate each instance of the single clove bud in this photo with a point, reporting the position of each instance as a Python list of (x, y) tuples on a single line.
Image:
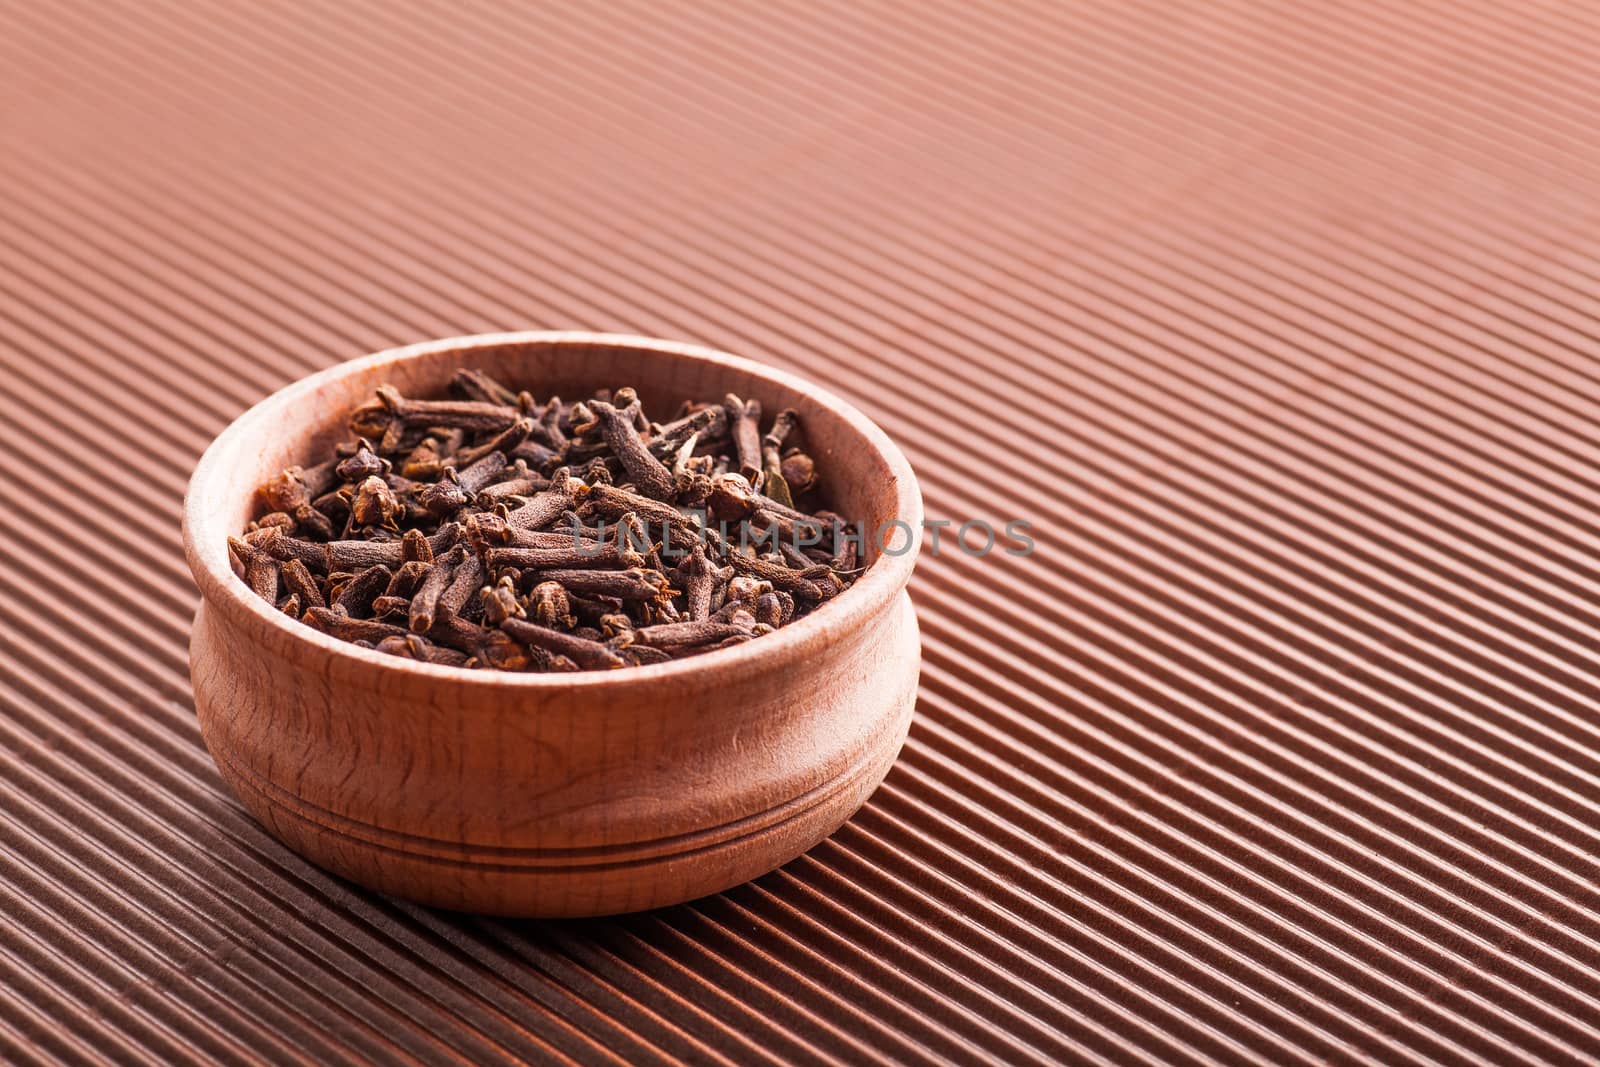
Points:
[(744, 418), (464, 582), (504, 442), (580, 554), (797, 582), (414, 547), (635, 584), (363, 465), (474, 384), (551, 606), (621, 433), (587, 653), (346, 628), (257, 568), (547, 507), (393, 410), (425, 603), (500, 602), (707, 424), (702, 581), (375, 504), (296, 578), (799, 472), (481, 472), (355, 599), (425, 462), (692, 634), (413, 646), (772, 480)]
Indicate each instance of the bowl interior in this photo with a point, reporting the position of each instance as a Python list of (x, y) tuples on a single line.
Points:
[(864, 478)]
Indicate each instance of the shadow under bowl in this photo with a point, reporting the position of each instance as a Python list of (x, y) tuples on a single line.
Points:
[(554, 794)]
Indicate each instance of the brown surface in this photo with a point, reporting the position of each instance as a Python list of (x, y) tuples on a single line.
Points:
[(1282, 747), (552, 795)]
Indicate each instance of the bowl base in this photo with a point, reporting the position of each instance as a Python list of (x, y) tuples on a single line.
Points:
[(604, 879)]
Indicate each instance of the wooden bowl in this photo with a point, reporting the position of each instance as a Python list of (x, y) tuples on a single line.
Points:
[(566, 794)]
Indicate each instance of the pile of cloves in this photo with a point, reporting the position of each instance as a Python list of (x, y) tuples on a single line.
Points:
[(488, 530)]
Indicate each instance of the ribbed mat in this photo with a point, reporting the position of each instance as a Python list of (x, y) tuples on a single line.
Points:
[(1278, 322)]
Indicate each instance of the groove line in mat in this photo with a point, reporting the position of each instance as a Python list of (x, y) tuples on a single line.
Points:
[(1419, 998), (719, 960), (161, 890), (346, 978), (780, 939), (1278, 748), (900, 892), (95, 965), (1023, 784), (1101, 765), (164, 613), (911, 785), (1180, 98), (672, 1038), (690, 1019), (1437, 782), (1314, 36), (45, 983), (221, 1001), (878, 944), (661, 1003), (1028, 784), (1005, 1005), (1514, 872), (1339, 105), (264, 886), (892, 885)]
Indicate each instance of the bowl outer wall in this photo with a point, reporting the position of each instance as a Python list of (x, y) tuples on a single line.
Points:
[(461, 761)]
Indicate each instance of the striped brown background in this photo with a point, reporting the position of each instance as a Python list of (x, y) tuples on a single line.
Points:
[(1278, 321)]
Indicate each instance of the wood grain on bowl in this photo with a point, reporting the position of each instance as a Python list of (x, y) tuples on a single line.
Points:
[(554, 795)]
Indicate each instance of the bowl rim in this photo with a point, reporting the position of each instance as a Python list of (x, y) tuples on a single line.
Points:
[(205, 542)]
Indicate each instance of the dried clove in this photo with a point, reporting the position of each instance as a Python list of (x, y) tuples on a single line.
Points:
[(551, 606), (257, 569), (488, 531), (425, 603), (621, 432), (296, 578), (359, 592), (744, 417), (694, 633), (583, 651), (634, 584)]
